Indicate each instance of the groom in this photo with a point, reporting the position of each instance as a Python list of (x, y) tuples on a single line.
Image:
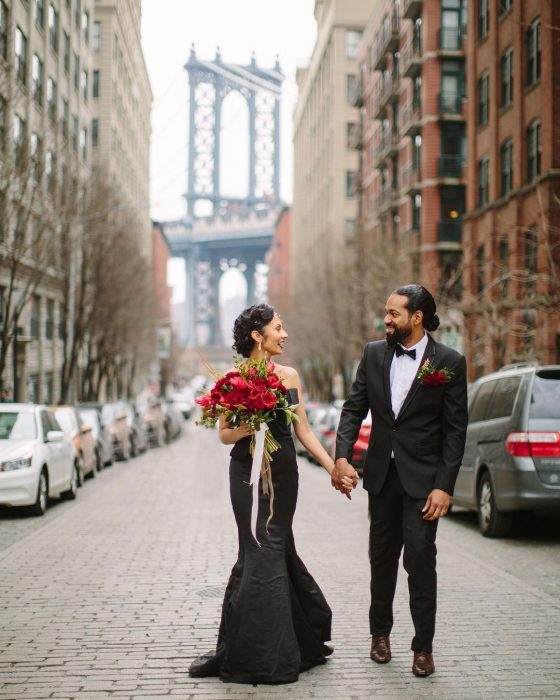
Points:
[(416, 390)]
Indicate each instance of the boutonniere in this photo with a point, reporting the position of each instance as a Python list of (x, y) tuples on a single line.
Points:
[(430, 376)]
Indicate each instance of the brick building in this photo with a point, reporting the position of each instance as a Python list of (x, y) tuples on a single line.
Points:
[(413, 140), (511, 231), (279, 263)]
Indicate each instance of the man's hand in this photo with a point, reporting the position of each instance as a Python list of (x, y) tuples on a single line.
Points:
[(437, 505), (343, 475)]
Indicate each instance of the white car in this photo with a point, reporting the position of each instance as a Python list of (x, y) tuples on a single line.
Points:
[(37, 460), (183, 400)]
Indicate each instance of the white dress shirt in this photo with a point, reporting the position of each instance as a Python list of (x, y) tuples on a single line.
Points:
[(403, 371)]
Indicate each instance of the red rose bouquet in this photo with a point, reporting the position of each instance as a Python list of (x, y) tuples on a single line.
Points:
[(252, 393)]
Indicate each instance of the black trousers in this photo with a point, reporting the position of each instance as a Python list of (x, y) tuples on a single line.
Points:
[(396, 521)]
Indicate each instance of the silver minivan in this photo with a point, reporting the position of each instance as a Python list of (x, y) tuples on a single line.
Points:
[(512, 454)]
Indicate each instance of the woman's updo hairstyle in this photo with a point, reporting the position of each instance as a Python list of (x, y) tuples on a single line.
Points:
[(255, 318), (420, 299)]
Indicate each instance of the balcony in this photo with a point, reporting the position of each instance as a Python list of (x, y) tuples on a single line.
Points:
[(411, 119), (387, 42), (450, 166), (411, 8), (410, 178), (386, 199), (450, 39), (412, 58), (354, 140), (449, 231), (388, 144), (450, 103)]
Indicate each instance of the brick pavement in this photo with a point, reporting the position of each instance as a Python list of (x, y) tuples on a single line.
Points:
[(116, 595)]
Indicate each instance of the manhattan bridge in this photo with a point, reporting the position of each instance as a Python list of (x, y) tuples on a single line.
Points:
[(221, 232)]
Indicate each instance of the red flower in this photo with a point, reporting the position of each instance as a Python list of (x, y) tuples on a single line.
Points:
[(269, 400), (273, 381)]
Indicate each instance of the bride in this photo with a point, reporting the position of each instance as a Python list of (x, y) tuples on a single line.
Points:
[(275, 620)]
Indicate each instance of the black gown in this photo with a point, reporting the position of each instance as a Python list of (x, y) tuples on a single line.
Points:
[(275, 619)]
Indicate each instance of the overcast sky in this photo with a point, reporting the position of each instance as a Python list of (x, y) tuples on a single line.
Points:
[(169, 27)]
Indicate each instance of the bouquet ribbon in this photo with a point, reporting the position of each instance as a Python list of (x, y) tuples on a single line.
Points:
[(258, 455)]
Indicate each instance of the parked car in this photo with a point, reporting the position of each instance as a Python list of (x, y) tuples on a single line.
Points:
[(325, 425), (153, 415), (512, 454), (115, 418), (82, 437), (37, 459), (104, 454), (361, 445), (183, 400), (138, 431), (314, 411), (173, 421)]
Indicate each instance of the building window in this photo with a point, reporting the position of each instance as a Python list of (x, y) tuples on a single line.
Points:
[(49, 320), (452, 24), (52, 97), (96, 37), (349, 230), (417, 93), (353, 39), (20, 135), (33, 388), (76, 72), (78, 14), (3, 29), (49, 388), (350, 183), (416, 211), (95, 132), (36, 148), (85, 26), (483, 18), (417, 154), (50, 171), (483, 181), (37, 71), (531, 247), (3, 125), (480, 270), (66, 52), (505, 6), (21, 56), (507, 78), (65, 118), (506, 166), (75, 130), (53, 28), (61, 327), (95, 87), (350, 131), (39, 8), (504, 267), (483, 101), (35, 316), (452, 86), (84, 85), (533, 49), (83, 143), (351, 88), (533, 150)]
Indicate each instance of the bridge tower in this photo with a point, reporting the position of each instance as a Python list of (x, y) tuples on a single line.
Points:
[(231, 232)]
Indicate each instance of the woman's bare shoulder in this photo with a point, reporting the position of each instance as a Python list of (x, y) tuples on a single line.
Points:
[(286, 372)]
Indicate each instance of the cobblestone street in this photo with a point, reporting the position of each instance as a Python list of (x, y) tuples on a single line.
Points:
[(115, 594)]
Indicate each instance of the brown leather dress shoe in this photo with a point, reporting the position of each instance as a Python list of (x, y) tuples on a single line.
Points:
[(423, 664), (380, 648)]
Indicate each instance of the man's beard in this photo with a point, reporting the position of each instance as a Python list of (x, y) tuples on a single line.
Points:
[(399, 335)]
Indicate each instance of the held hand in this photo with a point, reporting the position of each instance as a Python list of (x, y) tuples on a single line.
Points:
[(242, 431), (437, 505), (344, 477)]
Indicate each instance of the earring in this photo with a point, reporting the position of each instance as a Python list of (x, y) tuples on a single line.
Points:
[(260, 345)]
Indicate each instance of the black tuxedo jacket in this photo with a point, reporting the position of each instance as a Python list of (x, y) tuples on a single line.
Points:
[(428, 435)]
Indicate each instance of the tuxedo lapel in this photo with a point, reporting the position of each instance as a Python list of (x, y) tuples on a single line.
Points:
[(429, 353), (388, 358)]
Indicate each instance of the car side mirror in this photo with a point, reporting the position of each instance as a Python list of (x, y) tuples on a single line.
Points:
[(86, 428), (54, 436)]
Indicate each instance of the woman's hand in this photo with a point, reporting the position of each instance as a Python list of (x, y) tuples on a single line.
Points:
[(229, 436)]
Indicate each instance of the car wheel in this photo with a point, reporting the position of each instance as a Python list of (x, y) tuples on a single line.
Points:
[(72, 492), (41, 503), (133, 448), (492, 522), (160, 441), (98, 460)]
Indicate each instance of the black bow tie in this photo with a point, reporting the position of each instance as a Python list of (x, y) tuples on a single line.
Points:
[(404, 351)]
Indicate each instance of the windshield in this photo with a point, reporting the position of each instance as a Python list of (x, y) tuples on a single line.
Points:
[(108, 414), (17, 426), (545, 401), (64, 417)]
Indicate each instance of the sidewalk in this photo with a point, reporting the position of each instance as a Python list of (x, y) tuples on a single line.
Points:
[(119, 593)]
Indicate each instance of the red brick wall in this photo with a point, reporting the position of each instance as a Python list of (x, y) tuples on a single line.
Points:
[(279, 264), (160, 256)]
